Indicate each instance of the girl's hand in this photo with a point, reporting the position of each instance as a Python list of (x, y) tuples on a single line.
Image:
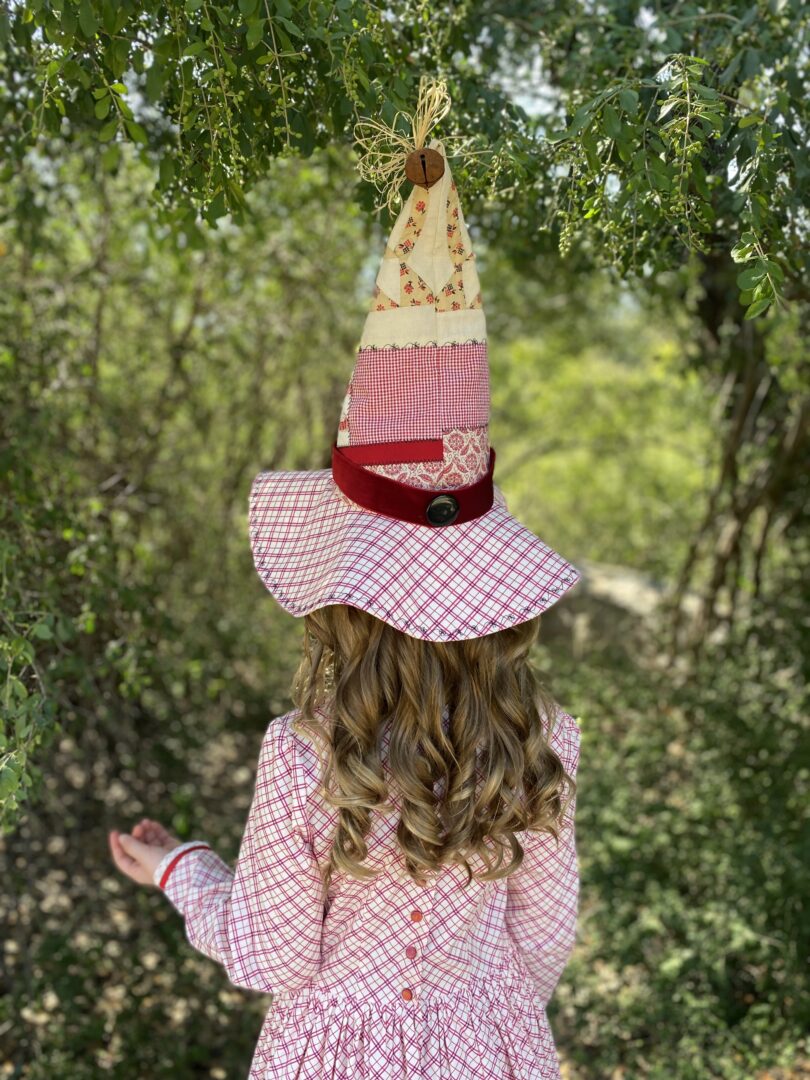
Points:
[(138, 854)]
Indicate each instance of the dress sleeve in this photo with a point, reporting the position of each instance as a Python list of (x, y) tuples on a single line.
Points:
[(543, 894), (263, 921)]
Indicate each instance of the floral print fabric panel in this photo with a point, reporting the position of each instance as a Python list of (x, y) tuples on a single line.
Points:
[(413, 291), (466, 455)]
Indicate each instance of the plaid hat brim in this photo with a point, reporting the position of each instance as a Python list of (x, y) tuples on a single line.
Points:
[(312, 547)]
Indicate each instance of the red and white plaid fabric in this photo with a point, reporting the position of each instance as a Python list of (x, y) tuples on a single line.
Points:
[(418, 393), (313, 547), (387, 980)]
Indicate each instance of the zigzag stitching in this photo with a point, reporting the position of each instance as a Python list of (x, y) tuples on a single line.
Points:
[(422, 345)]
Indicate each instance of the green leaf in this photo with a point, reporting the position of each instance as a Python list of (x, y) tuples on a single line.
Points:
[(728, 74), (296, 31), (102, 107), (248, 7), (628, 99), (660, 181), (194, 48), (707, 93), (591, 148), (758, 307), (117, 56), (216, 208), (750, 120), (255, 33), (580, 119), (625, 150), (109, 16), (76, 73), (87, 19), (155, 81), (611, 124), (136, 132), (714, 119), (749, 278), (69, 24), (9, 778)]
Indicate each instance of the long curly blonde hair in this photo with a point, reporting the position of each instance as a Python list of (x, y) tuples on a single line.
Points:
[(359, 676)]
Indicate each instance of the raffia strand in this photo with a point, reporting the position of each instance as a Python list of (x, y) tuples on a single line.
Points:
[(384, 150)]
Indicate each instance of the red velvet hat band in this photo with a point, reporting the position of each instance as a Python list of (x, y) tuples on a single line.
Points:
[(420, 506)]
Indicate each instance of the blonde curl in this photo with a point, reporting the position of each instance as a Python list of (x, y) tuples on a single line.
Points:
[(495, 767)]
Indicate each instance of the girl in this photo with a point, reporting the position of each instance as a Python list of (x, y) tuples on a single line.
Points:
[(407, 883)]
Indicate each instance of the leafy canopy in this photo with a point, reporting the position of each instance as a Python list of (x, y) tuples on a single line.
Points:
[(661, 132)]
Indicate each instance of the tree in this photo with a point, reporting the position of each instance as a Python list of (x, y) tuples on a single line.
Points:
[(671, 147), (680, 130)]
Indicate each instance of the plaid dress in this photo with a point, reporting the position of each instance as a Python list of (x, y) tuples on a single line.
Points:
[(387, 979)]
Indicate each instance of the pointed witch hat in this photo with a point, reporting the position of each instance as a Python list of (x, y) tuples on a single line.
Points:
[(408, 524)]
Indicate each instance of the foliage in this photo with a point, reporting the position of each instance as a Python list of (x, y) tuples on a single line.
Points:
[(693, 827), (621, 421), (685, 127), (668, 131), (125, 356), (214, 92)]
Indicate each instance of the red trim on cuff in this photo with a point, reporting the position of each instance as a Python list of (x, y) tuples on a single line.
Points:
[(176, 860)]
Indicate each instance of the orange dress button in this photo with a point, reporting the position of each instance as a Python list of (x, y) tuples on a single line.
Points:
[(410, 952), (416, 915), (407, 994)]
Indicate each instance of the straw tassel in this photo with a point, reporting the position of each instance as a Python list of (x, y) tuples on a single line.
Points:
[(385, 150)]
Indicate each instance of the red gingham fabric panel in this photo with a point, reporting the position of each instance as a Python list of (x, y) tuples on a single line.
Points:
[(480, 962), (312, 547), (400, 394)]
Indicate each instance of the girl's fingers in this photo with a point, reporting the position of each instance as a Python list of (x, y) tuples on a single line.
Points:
[(155, 833), (134, 860), (144, 831), (149, 832), (125, 863)]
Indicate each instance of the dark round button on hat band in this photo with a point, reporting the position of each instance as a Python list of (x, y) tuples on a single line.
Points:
[(442, 510)]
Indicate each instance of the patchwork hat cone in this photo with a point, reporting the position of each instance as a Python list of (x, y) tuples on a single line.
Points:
[(408, 524)]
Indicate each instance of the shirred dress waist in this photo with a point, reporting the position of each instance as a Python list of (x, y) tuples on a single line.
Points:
[(508, 993), (493, 1029)]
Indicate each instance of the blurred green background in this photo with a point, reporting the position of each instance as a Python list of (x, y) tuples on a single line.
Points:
[(157, 351)]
